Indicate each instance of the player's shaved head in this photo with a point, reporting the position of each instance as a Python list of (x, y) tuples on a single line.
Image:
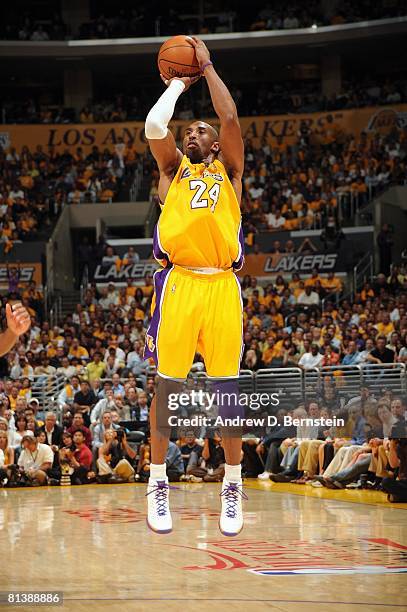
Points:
[(209, 127)]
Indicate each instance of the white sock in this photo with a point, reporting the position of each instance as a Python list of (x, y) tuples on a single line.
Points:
[(233, 473), (158, 471)]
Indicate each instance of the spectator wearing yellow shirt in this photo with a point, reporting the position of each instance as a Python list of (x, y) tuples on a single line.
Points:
[(13, 396), (272, 297), (367, 292), (148, 287), (332, 284), (96, 368), (51, 348), (25, 390), (123, 299), (130, 289), (294, 282), (86, 115), (385, 327), (55, 335), (272, 353), (252, 319), (98, 331), (276, 316), (315, 277), (77, 351), (291, 221)]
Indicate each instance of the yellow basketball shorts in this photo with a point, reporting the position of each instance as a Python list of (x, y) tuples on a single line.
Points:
[(191, 313)]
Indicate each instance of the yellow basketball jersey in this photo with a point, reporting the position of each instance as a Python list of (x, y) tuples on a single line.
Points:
[(200, 222)]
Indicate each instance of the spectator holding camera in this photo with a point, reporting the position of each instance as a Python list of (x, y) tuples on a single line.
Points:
[(210, 467), (115, 458), (79, 459), (101, 428), (396, 487)]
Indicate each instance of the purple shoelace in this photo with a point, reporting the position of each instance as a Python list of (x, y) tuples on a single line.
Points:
[(231, 493), (160, 490)]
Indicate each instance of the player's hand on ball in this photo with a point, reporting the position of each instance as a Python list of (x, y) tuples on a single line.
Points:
[(18, 319), (201, 50), (188, 81)]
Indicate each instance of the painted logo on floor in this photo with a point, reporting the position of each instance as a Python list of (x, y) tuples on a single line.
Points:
[(272, 558), (129, 515), (268, 557)]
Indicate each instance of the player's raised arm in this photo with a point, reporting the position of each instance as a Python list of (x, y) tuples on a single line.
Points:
[(160, 138), (230, 137), (18, 322)]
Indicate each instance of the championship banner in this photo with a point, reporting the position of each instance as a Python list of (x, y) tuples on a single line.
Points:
[(324, 126)]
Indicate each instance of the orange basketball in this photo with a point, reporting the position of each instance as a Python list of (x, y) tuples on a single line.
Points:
[(176, 58)]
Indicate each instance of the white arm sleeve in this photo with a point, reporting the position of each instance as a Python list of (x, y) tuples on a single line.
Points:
[(160, 115)]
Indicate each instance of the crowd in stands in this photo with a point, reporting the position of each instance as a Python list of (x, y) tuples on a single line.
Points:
[(273, 98), (24, 26), (118, 108), (217, 17), (367, 450), (36, 185), (103, 406), (306, 96), (309, 184)]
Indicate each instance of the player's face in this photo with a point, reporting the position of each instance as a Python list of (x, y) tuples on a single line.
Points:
[(200, 139)]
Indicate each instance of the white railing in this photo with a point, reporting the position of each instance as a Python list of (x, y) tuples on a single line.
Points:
[(46, 389), (293, 385), (348, 380), (296, 384)]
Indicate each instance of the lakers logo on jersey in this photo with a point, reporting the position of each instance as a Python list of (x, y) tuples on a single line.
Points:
[(150, 343), (186, 172)]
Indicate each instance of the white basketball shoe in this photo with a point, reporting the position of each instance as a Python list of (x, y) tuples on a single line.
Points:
[(158, 513), (231, 517)]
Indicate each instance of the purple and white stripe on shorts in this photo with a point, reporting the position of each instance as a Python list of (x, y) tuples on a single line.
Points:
[(160, 282), (238, 263)]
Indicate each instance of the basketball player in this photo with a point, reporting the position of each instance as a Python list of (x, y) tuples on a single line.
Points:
[(197, 302), (18, 322)]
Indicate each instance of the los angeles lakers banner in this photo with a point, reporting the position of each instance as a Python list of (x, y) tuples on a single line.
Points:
[(288, 263), (255, 265), (324, 126)]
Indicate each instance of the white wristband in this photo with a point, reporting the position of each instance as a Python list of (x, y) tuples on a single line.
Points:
[(160, 115)]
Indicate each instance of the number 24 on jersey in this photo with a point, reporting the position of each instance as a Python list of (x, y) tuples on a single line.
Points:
[(200, 188)]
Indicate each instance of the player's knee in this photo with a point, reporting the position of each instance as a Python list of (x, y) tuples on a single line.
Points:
[(168, 391), (167, 398)]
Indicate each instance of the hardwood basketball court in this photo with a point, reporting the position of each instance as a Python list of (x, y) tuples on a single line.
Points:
[(301, 549)]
